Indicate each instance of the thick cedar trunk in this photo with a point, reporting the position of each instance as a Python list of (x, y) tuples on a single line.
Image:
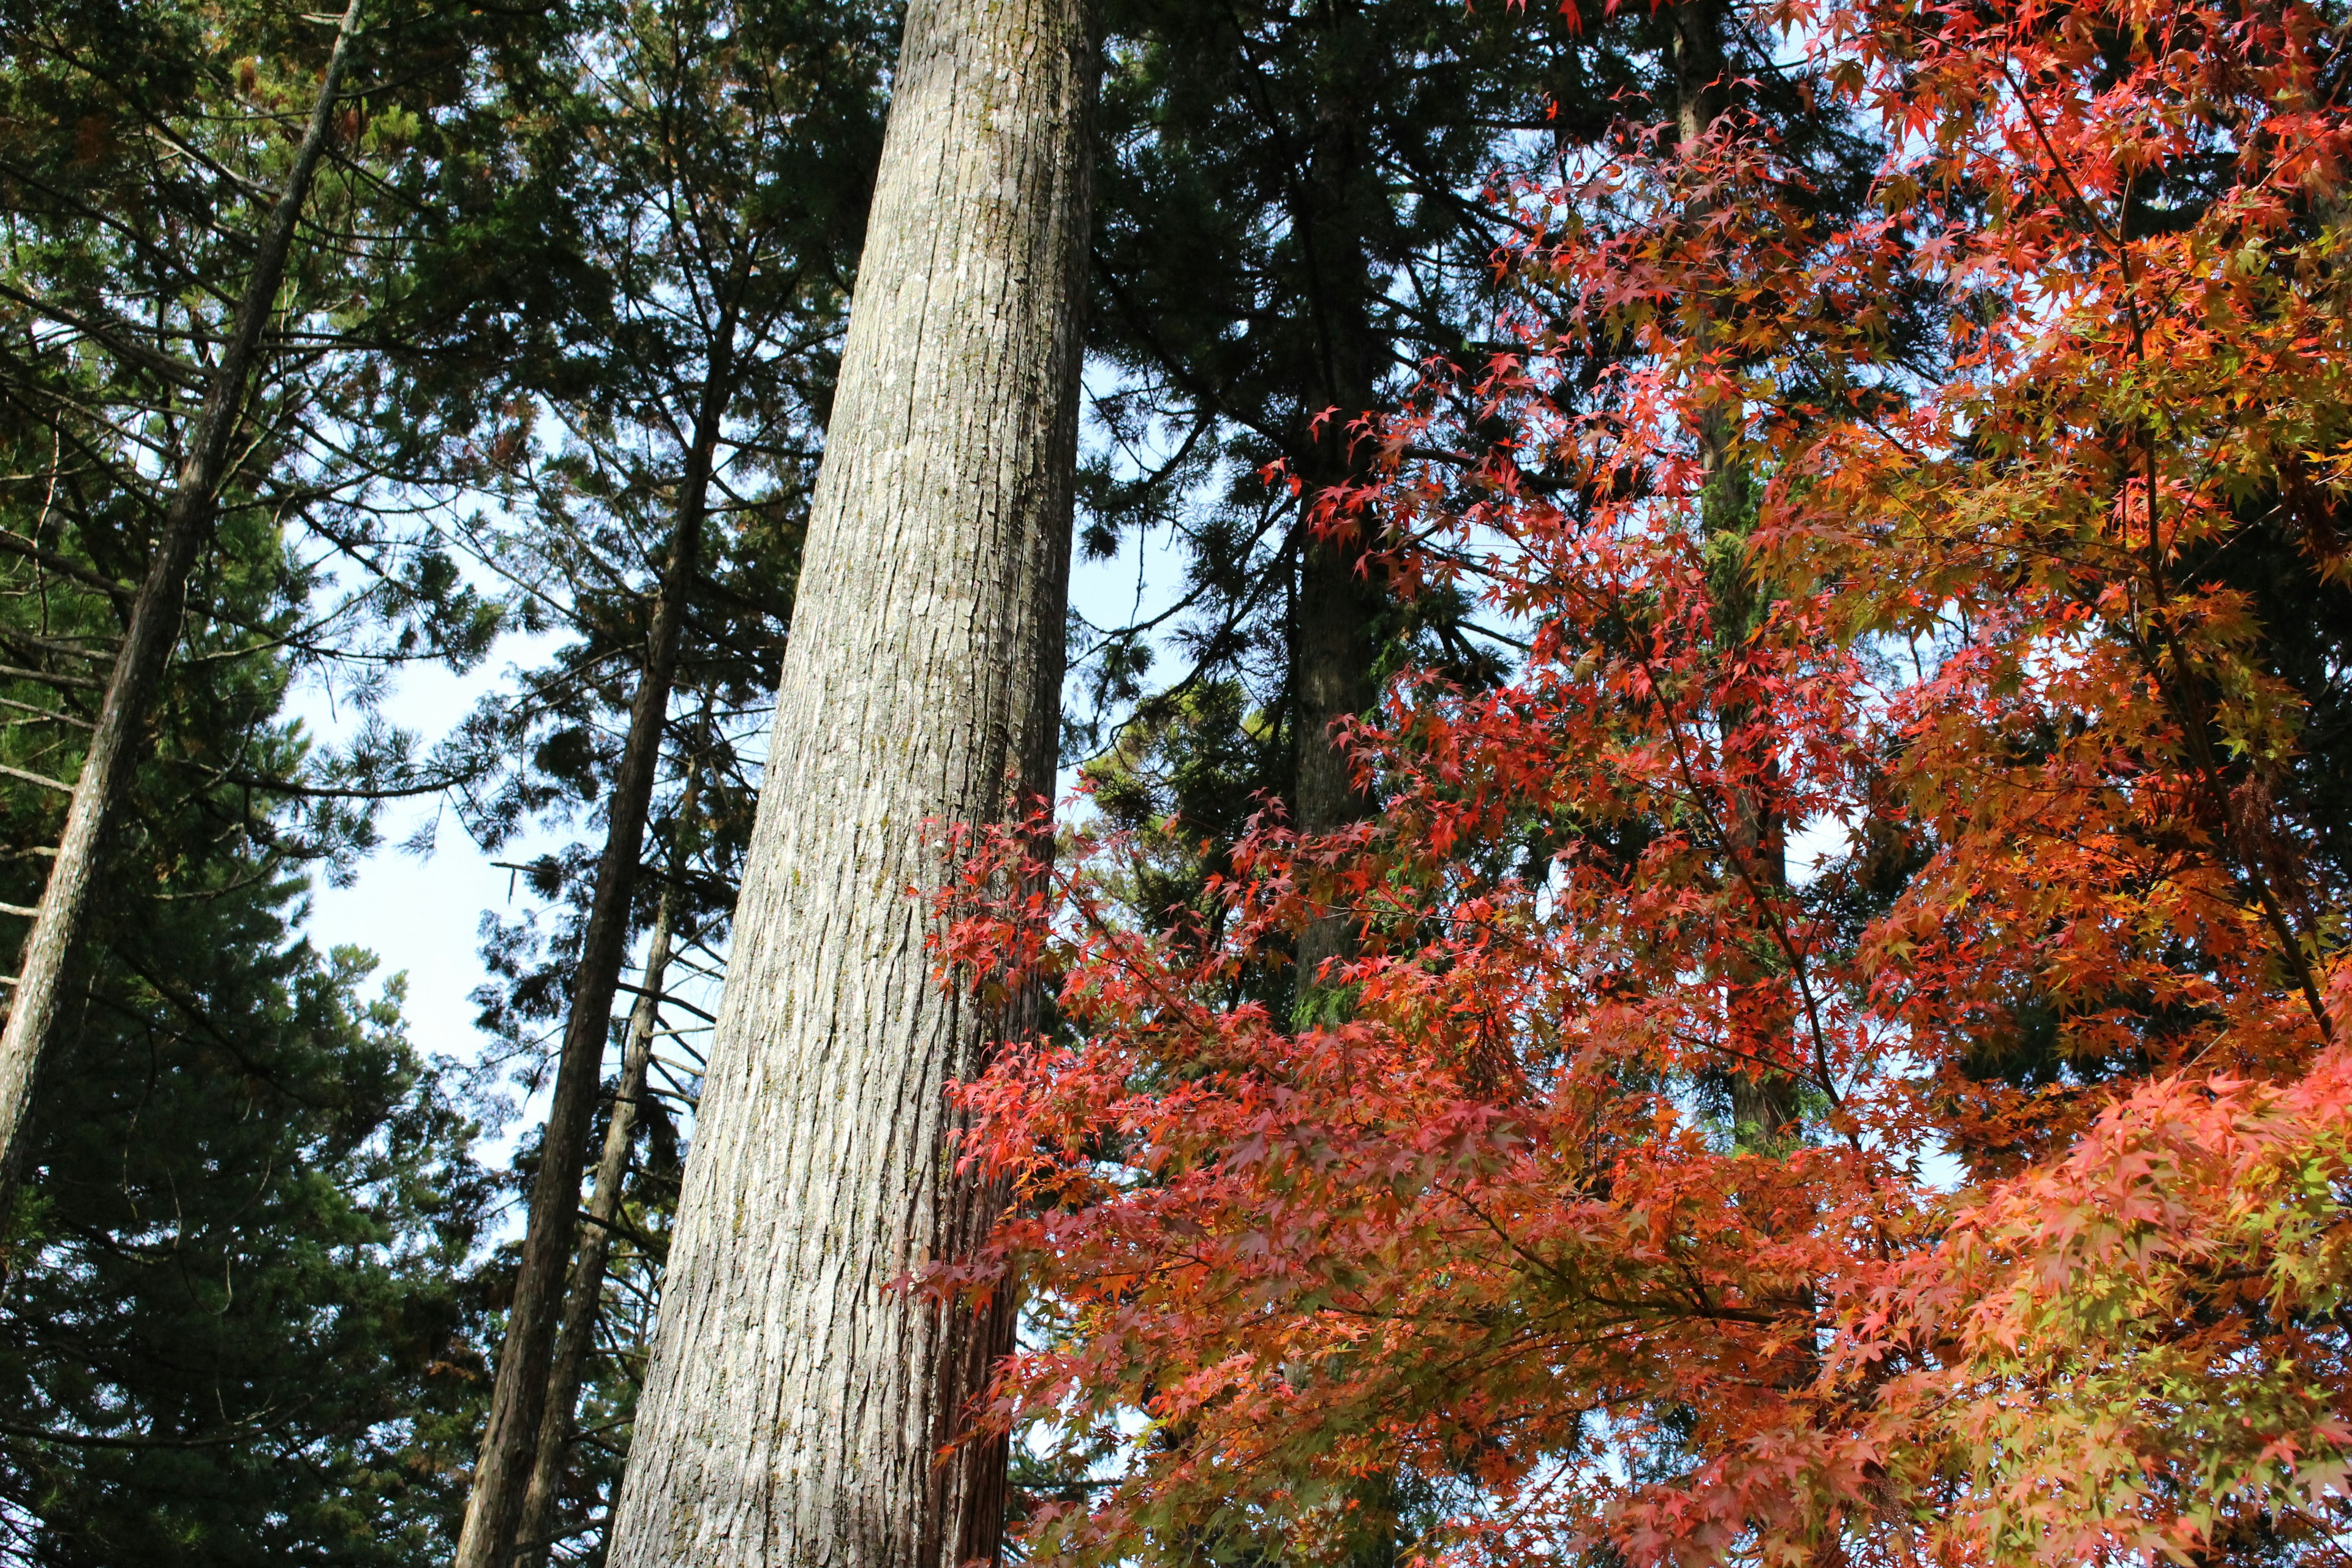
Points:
[(795, 1409), (518, 1401), (148, 640), (577, 1336), (1338, 610)]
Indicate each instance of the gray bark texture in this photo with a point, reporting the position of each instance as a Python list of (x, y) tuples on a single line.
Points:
[(148, 640), (794, 1411)]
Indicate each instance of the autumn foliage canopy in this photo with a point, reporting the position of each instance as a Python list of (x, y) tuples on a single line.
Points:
[(1843, 1056)]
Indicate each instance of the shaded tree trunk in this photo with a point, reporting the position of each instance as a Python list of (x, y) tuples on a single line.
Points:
[(577, 1336), (150, 635), (1336, 638), (518, 1401), (1336, 648), (793, 1410), (1763, 1102)]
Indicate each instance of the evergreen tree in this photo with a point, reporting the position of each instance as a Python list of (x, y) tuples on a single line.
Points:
[(1288, 231), (176, 338), (1339, 182), (239, 1308), (1301, 211)]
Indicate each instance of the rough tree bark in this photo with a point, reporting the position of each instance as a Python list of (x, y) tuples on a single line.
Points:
[(1335, 649), (519, 1399), (794, 1410), (577, 1336), (150, 635)]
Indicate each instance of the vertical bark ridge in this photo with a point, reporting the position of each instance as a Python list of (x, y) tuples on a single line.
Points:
[(793, 1411)]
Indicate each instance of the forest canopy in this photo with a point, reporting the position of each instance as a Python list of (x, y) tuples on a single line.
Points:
[(1559, 785)]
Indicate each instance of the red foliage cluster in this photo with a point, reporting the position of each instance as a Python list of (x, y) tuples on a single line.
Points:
[(1843, 1054)]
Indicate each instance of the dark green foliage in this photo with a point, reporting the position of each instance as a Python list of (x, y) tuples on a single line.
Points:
[(702, 171), (239, 1321), (1300, 208), (139, 149), (239, 1305), (715, 260), (1289, 224), (239, 1316), (1185, 780), (2306, 621), (747, 214)]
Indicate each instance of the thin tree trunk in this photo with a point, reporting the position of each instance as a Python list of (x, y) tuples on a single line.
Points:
[(577, 1336), (794, 1410), (518, 1401), (148, 640)]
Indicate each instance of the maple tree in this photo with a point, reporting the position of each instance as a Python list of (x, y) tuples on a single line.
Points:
[(1936, 731)]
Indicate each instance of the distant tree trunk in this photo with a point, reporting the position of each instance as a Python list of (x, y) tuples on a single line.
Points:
[(793, 1412), (577, 1336), (1763, 1102), (148, 640), (1335, 640), (518, 1401)]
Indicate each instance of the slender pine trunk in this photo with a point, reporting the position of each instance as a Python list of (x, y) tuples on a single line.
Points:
[(148, 638), (577, 1337), (796, 1410), (518, 1401)]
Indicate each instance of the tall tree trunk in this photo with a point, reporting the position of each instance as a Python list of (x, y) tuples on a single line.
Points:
[(577, 1336), (518, 1401), (1335, 641), (1763, 1102), (1335, 649), (1336, 637), (794, 1410), (148, 638)]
